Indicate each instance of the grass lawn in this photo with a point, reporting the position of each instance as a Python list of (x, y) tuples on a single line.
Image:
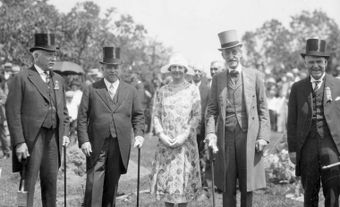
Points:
[(273, 196)]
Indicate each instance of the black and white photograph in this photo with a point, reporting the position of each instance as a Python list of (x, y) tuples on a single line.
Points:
[(169, 103)]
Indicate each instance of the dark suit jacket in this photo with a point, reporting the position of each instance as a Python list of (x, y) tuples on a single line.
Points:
[(96, 113), (27, 106), (300, 114), (204, 93)]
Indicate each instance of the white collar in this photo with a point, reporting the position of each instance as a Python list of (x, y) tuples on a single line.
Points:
[(312, 80), (114, 84), (40, 71)]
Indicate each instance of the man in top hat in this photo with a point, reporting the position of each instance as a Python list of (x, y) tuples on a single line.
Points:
[(238, 126), (38, 120), (110, 114), (313, 127)]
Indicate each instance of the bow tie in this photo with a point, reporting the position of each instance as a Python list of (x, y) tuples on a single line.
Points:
[(234, 73)]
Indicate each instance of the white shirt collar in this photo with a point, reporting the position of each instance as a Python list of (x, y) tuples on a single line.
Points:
[(40, 71), (108, 84), (312, 80)]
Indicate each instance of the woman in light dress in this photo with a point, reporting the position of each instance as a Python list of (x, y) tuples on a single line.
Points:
[(175, 177)]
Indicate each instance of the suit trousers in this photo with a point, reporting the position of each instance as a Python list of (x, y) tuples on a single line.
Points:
[(236, 151), (316, 152), (43, 160), (102, 179)]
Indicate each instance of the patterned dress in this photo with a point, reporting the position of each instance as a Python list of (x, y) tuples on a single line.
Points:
[(175, 176)]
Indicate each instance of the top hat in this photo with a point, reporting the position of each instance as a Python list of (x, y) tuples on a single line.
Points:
[(228, 39), (44, 41), (111, 56), (315, 47)]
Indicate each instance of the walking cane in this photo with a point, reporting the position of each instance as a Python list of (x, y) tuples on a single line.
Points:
[(22, 194), (64, 175), (138, 175), (212, 160), (330, 165)]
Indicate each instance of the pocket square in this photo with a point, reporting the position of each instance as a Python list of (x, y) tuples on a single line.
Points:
[(337, 98)]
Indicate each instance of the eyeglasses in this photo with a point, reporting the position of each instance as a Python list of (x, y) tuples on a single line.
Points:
[(213, 69)]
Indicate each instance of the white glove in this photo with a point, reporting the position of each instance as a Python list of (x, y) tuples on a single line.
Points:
[(166, 140), (211, 139), (260, 144), (66, 141), (21, 151), (139, 140), (86, 148)]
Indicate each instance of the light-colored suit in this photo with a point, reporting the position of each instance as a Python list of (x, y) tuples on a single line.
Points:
[(258, 125)]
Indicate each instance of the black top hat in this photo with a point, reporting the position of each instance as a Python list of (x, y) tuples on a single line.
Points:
[(111, 55), (315, 47), (44, 41)]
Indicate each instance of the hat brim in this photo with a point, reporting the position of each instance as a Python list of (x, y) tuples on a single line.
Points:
[(166, 69), (48, 49), (232, 46), (315, 54), (110, 63)]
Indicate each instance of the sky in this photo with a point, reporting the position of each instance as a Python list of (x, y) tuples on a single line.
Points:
[(190, 27)]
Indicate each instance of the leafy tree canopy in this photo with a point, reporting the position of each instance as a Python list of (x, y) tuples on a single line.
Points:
[(277, 47), (81, 34)]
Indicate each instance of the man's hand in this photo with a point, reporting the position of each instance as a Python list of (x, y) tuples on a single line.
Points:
[(66, 141), (211, 139), (21, 151), (292, 157), (139, 140), (86, 148), (166, 140)]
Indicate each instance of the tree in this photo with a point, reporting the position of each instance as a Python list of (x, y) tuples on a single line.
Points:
[(81, 34), (277, 48), (18, 20)]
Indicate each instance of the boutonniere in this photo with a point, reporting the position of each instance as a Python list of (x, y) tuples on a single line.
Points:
[(56, 85), (328, 94)]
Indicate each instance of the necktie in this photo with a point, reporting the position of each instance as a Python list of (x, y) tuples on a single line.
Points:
[(111, 91), (47, 77), (316, 85), (234, 74)]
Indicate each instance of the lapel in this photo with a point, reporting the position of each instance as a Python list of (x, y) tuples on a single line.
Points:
[(56, 88), (35, 78), (224, 91), (102, 91), (120, 95), (307, 93), (329, 84), (248, 87)]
